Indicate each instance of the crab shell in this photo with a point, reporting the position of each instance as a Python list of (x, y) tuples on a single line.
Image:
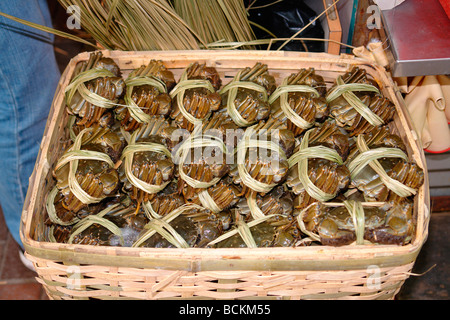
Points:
[(203, 72), (98, 61), (398, 227), (308, 77), (358, 75), (60, 233), (159, 126)]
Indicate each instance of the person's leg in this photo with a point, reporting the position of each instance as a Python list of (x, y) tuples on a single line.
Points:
[(28, 78)]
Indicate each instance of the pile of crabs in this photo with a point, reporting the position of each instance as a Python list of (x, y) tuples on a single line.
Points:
[(155, 162)]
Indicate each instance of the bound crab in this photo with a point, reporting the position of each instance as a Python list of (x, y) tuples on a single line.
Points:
[(146, 94), (186, 226), (262, 157), (267, 231), (380, 137), (195, 96), (279, 202), (317, 171), (116, 225), (202, 162), (299, 100), (383, 173), (356, 103), (163, 202), (147, 166), (86, 173), (339, 224), (95, 89), (246, 97), (59, 216), (217, 198)]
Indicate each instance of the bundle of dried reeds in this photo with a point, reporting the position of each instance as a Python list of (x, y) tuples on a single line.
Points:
[(135, 24), (218, 20)]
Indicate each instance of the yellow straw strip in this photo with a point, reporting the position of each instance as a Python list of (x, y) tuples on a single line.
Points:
[(208, 202), (149, 211), (254, 209), (356, 211)]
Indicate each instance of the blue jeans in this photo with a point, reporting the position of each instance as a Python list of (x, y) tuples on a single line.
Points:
[(28, 78)]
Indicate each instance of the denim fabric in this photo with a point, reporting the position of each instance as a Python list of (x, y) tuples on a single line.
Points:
[(28, 78)]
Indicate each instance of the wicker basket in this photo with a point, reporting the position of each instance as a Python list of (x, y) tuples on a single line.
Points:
[(315, 272)]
